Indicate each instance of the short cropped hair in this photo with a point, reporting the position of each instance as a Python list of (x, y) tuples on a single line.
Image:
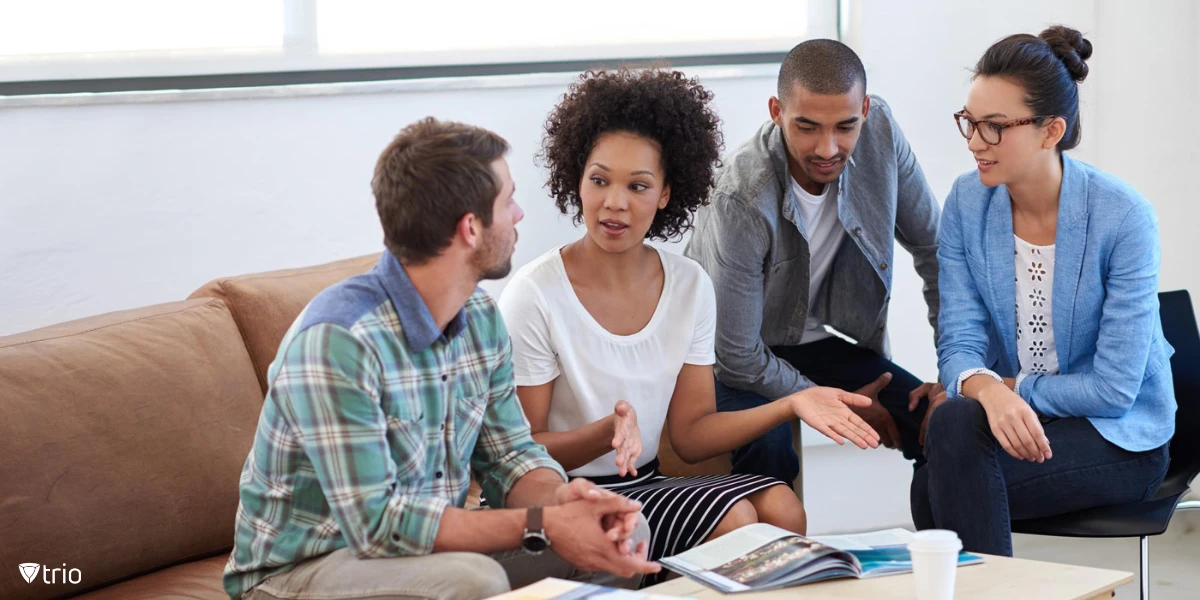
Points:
[(826, 67)]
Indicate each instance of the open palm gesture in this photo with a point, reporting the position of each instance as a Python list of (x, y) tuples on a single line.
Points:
[(627, 438), (828, 411)]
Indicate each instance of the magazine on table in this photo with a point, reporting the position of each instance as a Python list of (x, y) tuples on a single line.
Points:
[(762, 557)]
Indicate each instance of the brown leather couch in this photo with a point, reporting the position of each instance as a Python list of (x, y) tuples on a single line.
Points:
[(122, 437)]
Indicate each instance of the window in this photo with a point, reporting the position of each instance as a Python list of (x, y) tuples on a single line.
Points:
[(73, 39), (43, 40)]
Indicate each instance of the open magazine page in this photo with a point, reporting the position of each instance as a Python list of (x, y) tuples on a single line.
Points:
[(883, 552), (759, 557), (732, 545), (886, 538)]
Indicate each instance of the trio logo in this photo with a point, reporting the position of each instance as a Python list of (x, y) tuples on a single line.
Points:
[(29, 571)]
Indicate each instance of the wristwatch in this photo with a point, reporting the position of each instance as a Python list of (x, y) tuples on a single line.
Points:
[(534, 541)]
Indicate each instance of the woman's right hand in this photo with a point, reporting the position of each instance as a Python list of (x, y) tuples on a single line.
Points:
[(627, 438), (1014, 424), (828, 411)]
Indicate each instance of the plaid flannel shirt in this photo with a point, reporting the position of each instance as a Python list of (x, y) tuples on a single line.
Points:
[(372, 425)]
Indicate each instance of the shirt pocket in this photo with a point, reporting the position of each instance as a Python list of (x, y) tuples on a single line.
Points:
[(406, 437), (468, 420)]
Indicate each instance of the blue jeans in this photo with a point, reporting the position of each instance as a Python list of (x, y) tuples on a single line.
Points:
[(829, 362), (970, 485)]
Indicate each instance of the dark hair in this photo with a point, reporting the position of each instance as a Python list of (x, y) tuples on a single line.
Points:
[(1049, 67), (822, 67), (657, 104), (432, 174)]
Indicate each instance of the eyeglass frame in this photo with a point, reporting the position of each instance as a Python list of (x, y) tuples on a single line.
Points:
[(1000, 130)]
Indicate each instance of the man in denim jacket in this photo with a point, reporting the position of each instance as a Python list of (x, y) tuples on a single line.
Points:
[(799, 236)]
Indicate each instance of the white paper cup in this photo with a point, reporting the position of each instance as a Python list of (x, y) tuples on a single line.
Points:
[(935, 562)]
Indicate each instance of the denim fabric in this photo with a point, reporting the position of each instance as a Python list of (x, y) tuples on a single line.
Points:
[(972, 486)]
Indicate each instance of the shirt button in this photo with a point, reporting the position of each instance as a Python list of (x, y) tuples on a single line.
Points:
[(858, 231), (444, 377), (883, 265), (438, 474), (396, 538)]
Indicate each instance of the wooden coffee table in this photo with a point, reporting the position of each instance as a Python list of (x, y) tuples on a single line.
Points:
[(998, 578)]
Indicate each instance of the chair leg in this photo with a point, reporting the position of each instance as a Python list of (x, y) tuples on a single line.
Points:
[(1144, 575)]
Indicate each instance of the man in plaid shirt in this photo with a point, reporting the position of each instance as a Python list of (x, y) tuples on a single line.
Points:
[(390, 389)]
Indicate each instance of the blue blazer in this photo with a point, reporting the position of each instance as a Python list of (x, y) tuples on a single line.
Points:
[(1114, 363)]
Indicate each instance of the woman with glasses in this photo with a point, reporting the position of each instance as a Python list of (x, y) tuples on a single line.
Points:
[(1056, 370)]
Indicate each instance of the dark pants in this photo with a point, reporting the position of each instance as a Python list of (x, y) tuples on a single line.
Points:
[(972, 486), (830, 362)]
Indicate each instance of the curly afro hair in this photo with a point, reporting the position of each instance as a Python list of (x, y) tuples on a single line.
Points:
[(660, 105)]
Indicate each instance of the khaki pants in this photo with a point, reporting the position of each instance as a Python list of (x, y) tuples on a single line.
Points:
[(443, 576)]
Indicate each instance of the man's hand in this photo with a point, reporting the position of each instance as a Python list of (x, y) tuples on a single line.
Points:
[(577, 535), (618, 526), (876, 415), (936, 394), (828, 411), (627, 438)]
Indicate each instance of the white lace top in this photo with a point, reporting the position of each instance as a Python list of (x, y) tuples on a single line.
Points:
[(1035, 325)]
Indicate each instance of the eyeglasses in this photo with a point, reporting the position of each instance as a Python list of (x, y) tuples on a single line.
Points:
[(989, 131)]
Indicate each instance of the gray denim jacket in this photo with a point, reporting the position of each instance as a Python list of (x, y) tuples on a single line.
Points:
[(750, 240)]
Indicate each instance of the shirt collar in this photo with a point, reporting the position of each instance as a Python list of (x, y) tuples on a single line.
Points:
[(416, 321)]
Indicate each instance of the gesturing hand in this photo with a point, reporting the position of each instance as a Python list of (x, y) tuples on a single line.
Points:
[(627, 438), (937, 395), (876, 415), (828, 411)]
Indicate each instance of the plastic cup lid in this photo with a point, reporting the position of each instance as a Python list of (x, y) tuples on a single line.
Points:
[(934, 540)]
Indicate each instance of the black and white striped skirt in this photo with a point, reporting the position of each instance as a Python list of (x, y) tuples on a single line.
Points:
[(682, 511)]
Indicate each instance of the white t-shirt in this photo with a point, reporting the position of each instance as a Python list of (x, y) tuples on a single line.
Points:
[(556, 339), (824, 232)]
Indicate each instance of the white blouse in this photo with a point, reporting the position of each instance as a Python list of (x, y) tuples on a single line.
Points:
[(1035, 323)]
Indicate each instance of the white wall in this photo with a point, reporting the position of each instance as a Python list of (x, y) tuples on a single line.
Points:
[(112, 206)]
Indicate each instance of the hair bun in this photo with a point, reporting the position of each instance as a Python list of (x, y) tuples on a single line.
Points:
[(1071, 48)]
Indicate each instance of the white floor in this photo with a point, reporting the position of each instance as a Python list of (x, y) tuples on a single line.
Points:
[(1174, 557)]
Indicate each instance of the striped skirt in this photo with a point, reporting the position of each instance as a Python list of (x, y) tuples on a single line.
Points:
[(682, 511)]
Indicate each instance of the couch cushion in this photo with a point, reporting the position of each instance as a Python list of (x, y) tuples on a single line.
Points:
[(122, 438), (198, 580), (264, 305)]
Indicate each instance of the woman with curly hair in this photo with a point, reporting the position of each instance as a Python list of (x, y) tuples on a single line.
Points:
[(613, 338)]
